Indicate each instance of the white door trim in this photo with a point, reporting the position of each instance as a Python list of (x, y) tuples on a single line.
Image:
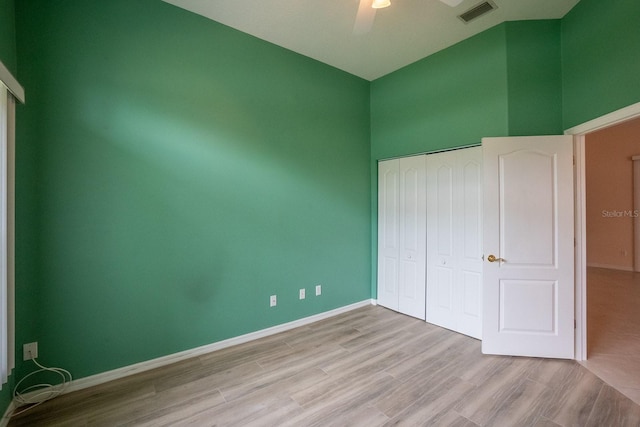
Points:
[(580, 257), (611, 119), (11, 83), (579, 132), (636, 207)]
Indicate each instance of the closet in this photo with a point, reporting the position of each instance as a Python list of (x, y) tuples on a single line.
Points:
[(430, 238)]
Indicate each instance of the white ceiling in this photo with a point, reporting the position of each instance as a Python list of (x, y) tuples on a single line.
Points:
[(403, 33)]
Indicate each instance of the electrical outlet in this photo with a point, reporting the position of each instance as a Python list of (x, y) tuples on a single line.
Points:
[(30, 351), (302, 293), (318, 290), (273, 301)]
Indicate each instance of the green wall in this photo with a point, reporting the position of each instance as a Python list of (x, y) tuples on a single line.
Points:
[(504, 81), (185, 172), (534, 78), (8, 34), (420, 108), (600, 59)]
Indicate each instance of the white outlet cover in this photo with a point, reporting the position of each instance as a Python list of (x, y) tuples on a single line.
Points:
[(302, 293), (30, 351), (273, 301), (318, 290)]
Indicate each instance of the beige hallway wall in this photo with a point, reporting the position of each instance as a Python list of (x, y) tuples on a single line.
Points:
[(609, 182)]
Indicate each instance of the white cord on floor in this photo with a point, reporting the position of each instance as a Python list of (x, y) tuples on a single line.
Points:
[(39, 393)]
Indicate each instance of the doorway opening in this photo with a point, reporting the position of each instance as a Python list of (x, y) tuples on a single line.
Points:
[(613, 288), (607, 287)]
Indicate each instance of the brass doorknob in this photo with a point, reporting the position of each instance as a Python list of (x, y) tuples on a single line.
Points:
[(492, 258)]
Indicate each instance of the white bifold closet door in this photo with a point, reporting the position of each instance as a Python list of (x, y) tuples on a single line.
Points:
[(402, 235), (454, 241)]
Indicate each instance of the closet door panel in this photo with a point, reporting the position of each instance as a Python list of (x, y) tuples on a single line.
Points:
[(471, 171), (444, 207), (470, 316), (388, 228), (443, 289), (412, 236), (454, 240), (470, 243), (440, 240)]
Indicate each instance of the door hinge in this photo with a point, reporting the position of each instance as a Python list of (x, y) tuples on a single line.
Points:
[(575, 324)]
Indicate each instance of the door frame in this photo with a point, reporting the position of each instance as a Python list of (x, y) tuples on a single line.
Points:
[(579, 133)]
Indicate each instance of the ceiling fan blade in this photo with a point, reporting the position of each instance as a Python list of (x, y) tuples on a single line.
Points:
[(452, 3), (364, 18)]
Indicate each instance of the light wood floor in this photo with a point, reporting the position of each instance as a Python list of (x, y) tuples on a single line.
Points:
[(368, 367), (613, 328)]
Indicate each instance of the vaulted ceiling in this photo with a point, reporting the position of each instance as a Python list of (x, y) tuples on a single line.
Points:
[(400, 34)]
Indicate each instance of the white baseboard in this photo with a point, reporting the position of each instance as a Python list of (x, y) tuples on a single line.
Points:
[(125, 371), (609, 266)]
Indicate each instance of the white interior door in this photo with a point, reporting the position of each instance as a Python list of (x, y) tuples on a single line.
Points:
[(388, 229), (454, 240), (528, 236)]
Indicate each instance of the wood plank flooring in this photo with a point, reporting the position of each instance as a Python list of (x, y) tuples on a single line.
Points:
[(369, 367)]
